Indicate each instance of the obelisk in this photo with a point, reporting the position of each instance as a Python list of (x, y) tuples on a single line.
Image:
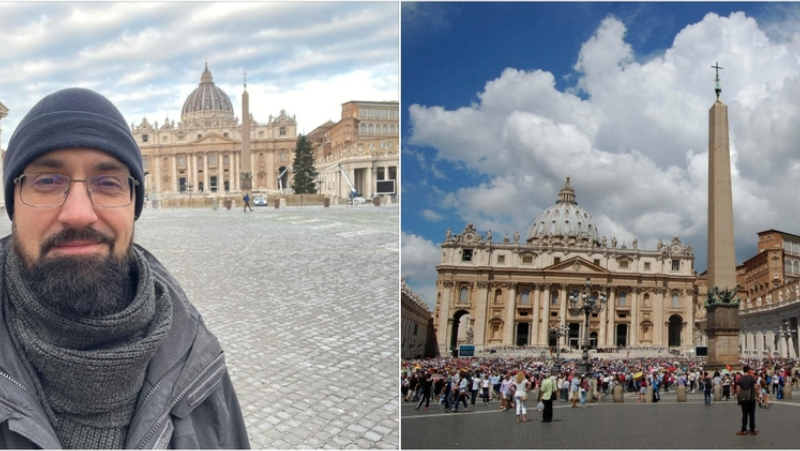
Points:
[(722, 304), (247, 172)]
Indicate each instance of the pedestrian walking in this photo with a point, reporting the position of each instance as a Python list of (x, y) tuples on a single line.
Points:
[(726, 387), (505, 392), (547, 394), (775, 381), (520, 396), (642, 389), (425, 397), (247, 205), (463, 385), (585, 387), (745, 395), (485, 387), (476, 385), (574, 389), (707, 386)]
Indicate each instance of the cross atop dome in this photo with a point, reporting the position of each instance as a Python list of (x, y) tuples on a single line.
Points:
[(206, 77), (567, 195)]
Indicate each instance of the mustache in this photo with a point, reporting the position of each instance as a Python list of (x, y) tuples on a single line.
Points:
[(67, 235)]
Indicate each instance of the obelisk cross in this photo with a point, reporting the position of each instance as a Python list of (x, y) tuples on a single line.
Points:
[(717, 88)]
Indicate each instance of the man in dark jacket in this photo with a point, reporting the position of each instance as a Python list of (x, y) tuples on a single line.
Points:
[(745, 394), (99, 346)]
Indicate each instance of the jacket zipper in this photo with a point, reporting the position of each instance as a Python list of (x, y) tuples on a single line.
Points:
[(158, 384), (175, 403), (12, 380)]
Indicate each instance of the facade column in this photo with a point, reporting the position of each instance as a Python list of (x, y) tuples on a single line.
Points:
[(562, 312), (634, 337), (601, 333), (444, 316), (658, 321), (206, 186), (481, 307), (157, 176), (508, 329), (688, 306), (535, 302), (544, 330), (175, 173), (612, 312), (189, 165), (236, 172)]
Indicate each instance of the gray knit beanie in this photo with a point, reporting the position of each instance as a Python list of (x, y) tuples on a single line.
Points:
[(68, 119)]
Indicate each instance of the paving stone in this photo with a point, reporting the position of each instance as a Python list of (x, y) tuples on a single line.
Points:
[(247, 274), (604, 425)]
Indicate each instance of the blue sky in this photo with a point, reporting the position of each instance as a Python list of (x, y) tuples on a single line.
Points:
[(305, 58), (500, 102)]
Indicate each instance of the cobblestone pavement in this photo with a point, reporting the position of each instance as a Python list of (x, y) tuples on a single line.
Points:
[(305, 302), (604, 425)]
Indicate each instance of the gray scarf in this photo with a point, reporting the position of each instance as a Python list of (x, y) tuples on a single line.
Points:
[(88, 371)]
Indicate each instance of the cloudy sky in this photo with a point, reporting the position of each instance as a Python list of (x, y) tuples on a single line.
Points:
[(502, 102), (306, 58)]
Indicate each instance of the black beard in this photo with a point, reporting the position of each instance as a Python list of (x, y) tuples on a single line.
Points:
[(81, 285)]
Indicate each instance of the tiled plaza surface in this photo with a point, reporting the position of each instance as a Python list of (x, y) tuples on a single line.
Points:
[(304, 301), (604, 425)]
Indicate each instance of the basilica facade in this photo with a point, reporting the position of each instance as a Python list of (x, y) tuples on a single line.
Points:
[(202, 153), (511, 292)]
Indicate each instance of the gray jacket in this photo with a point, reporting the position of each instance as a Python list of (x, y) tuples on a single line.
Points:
[(187, 399)]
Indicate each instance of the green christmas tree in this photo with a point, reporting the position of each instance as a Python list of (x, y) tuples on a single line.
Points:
[(304, 172)]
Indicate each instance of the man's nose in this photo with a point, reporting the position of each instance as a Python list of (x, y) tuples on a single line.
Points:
[(78, 209)]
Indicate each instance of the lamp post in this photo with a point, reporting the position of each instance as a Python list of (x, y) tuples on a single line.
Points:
[(190, 187), (558, 332), (786, 332), (582, 301)]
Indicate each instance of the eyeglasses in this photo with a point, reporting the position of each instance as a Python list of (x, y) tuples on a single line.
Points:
[(51, 190)]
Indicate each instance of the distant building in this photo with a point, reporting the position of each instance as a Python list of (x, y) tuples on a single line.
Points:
[(364, 145), (416, 325), (770, 293), (498, 292), (203, 151)]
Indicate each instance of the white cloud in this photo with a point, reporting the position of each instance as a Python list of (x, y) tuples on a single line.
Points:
[(431, 215), (418, 258), (633, 136), (306, 58)]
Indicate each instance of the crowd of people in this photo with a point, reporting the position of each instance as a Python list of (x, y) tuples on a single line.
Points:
[(453, 382)]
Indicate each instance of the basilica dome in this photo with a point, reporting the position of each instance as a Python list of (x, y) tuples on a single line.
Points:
[(207, 97), (565, 222)]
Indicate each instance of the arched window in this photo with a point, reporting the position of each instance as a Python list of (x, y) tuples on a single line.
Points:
[(363, 129), (796, 267), (525, 297), (676, 300), (462, 299), (498, 297), (554, 298), (788, 266), (385, 129), (623, 299), (370, 129)]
